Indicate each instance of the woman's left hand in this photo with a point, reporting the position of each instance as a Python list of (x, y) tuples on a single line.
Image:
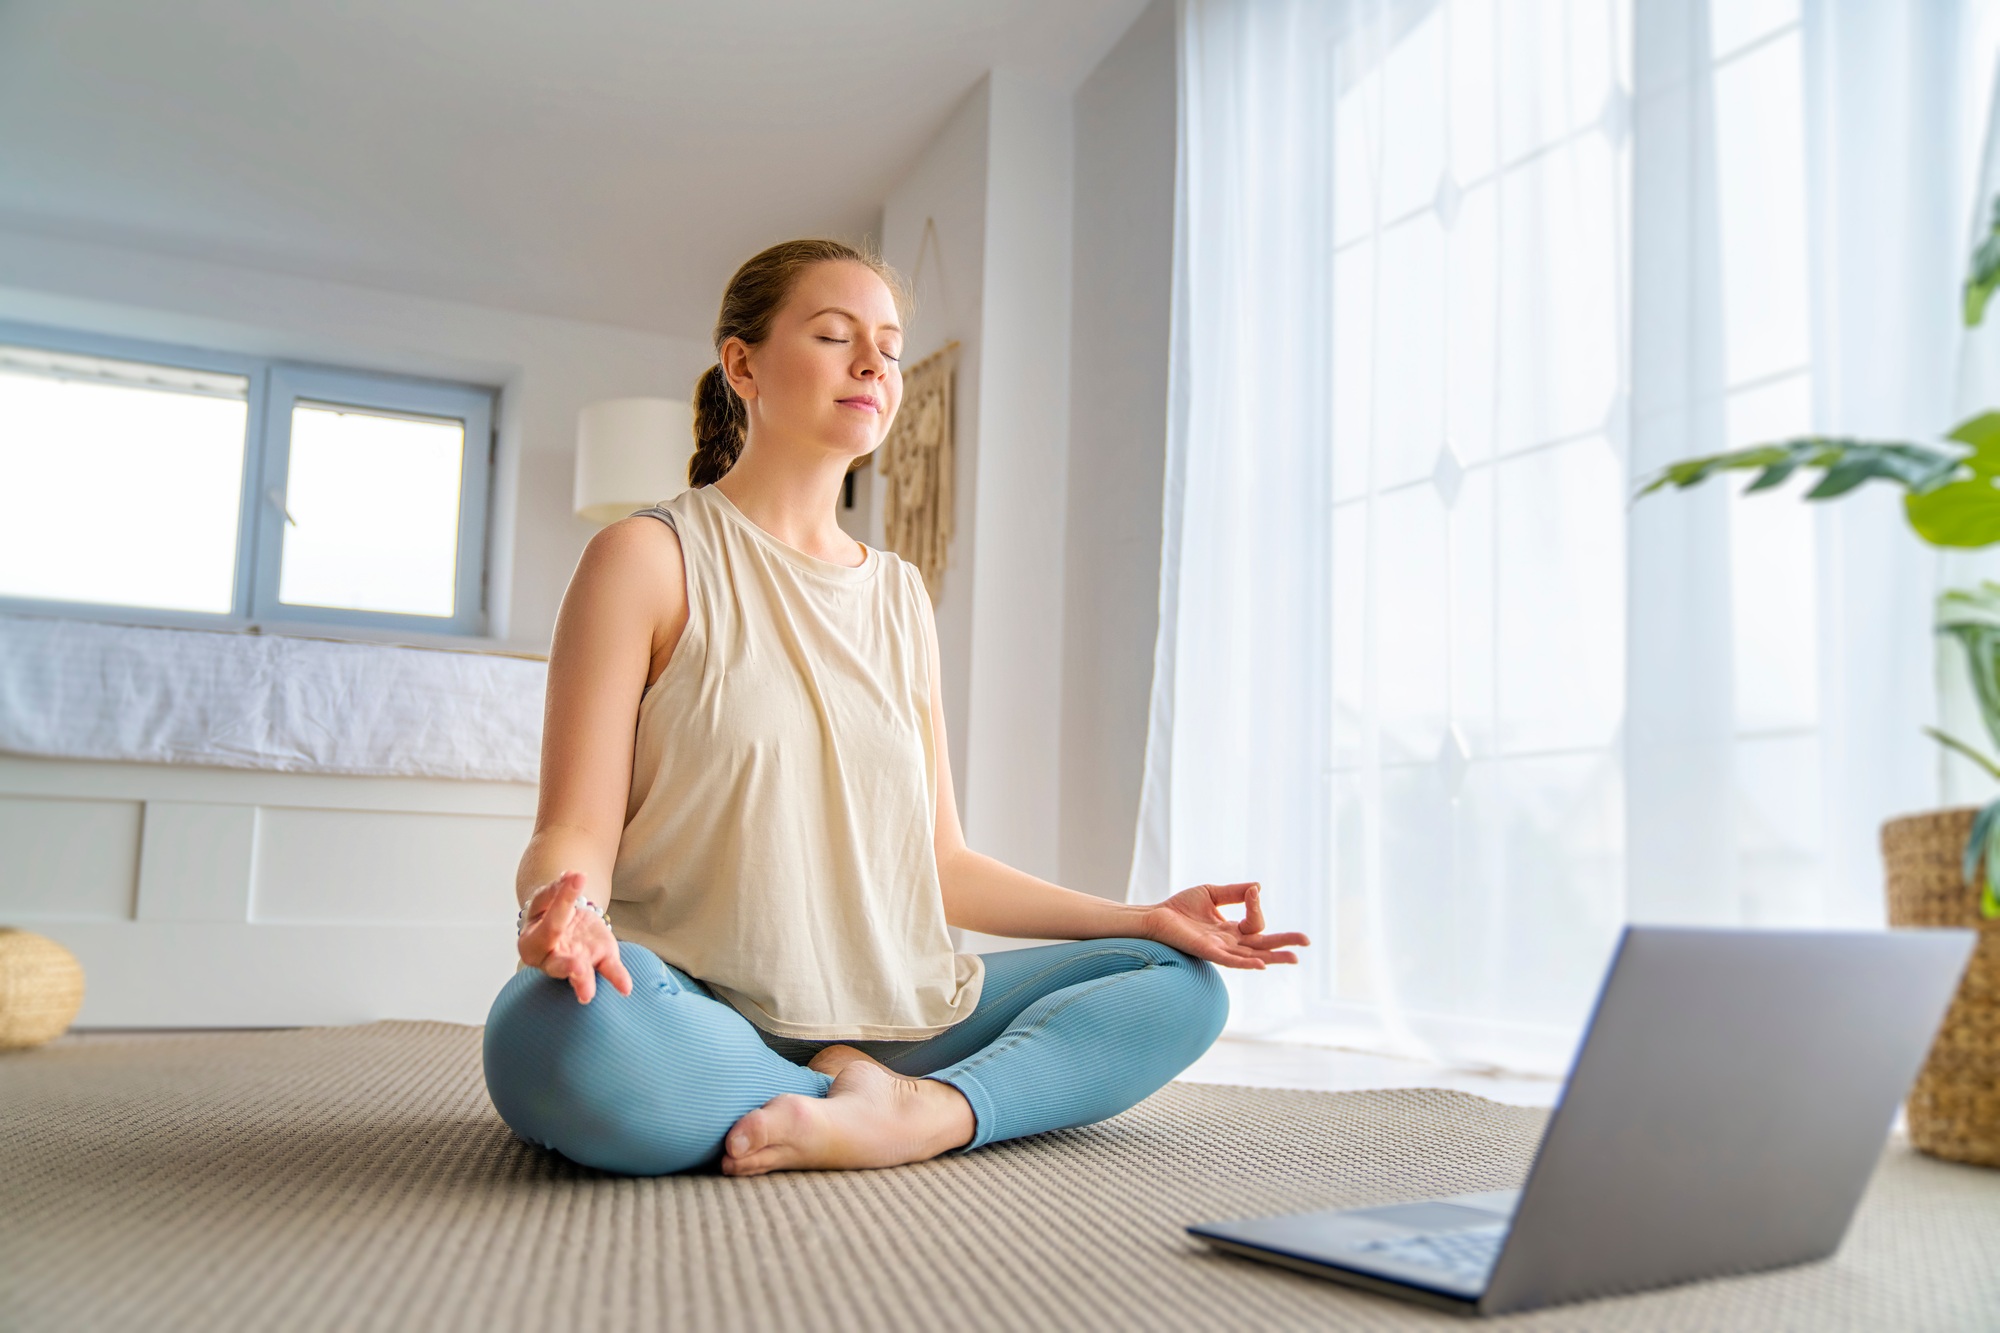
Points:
[(1190, 922)]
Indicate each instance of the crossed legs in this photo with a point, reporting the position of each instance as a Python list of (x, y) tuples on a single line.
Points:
[(652, 1082)]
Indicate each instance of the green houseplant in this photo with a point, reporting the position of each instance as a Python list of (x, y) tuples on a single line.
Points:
[(1940, 863)]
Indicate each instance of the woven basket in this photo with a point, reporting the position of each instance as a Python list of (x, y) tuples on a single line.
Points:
[(1955, 1106), (41, 988)]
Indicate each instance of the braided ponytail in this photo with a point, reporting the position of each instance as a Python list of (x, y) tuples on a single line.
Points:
[(752, 299), (719, 422)]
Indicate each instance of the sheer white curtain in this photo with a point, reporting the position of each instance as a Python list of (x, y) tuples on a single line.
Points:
[(1235, 783), (1451, 276)]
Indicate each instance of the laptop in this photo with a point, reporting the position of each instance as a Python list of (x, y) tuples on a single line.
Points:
[(1724, 1113)]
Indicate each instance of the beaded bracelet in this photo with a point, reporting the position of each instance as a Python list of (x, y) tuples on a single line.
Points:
[(521, 916)]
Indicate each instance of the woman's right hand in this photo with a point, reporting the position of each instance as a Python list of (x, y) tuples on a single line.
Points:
[(569, 942)]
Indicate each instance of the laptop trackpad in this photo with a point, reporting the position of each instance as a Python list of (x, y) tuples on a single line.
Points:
[(1426, 1216)]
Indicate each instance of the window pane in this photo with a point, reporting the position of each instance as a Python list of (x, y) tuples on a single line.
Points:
[(1773, 570), (1353, 368), (1560, 589), (1357, 155), (1409, 352), (1760, 166), (1414, 117), (120, 482), (373, 505), (1733, 24)]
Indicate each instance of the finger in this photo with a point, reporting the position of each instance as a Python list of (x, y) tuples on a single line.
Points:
[(613, 968), (538, 901), (561, 908), (1220, 894), (583, 980), (1253, 910), (1243, 961), (1280, 941)]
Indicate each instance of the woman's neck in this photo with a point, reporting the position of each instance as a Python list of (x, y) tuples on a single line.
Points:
[(793, 499)]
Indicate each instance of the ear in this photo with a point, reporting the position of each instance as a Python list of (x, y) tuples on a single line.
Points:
[(734, 358)]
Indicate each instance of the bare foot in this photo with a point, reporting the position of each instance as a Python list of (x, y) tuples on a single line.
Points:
[(871, 1116)]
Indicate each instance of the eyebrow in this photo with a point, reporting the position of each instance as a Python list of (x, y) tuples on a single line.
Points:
[(840, 310)]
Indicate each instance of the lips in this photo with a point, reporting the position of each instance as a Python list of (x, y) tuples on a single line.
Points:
[(862, 404)]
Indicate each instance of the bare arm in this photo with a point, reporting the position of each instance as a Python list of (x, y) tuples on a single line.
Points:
[(625, 608)]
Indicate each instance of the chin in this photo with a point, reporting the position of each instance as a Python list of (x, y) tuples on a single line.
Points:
[(855, 443)]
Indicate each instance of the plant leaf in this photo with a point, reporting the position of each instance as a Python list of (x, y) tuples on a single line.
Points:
[(1992, 885), (1983, 434), (1985, 275), (1963, 514), (1953, 743), (1975, 840), (1843, 477), (1844, 463), (1775, 475), (1972, 617)]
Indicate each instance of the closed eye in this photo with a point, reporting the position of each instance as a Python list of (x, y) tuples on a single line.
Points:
[(828, 338)]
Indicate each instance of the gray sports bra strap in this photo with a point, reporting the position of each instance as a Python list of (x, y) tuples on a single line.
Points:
[(664, 515)]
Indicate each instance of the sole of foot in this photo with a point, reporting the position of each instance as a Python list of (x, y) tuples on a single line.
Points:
[(871, 1117)]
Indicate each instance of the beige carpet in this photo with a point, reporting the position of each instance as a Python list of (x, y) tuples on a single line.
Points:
[(358, 1179)]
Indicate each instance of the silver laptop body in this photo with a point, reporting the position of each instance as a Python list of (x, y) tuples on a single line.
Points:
[(1723, 1115)]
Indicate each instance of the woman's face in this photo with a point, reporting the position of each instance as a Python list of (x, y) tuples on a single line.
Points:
[(828, 371)]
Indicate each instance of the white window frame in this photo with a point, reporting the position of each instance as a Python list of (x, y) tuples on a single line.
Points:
[(274, 386)]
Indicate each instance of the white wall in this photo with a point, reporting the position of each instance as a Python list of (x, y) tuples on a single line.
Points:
[(1124, 214), (547, 368), (1012, 777), (947, 188)]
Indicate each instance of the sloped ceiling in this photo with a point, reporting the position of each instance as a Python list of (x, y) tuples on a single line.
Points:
[(610, 160)]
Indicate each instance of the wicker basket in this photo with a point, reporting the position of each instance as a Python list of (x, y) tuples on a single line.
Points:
[(41, 989), (1955, 1106)]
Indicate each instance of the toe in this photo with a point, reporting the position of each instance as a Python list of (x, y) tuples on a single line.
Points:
[(749, 1134), (772, 1136), (758, 1163)]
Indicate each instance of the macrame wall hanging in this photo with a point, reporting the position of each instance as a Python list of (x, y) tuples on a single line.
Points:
[(915, 462)]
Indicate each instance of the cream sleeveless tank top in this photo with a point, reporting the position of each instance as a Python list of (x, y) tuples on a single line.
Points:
[(778, 838)]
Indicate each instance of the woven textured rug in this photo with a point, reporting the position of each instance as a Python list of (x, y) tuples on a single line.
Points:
[(357, 1178)]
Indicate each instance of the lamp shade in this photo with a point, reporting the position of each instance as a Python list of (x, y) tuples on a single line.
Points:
[(630, 453)]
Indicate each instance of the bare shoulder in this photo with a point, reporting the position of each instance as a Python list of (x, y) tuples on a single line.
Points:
[(633, 571)]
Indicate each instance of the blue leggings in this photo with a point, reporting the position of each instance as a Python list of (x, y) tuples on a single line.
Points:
[(649, 1083)]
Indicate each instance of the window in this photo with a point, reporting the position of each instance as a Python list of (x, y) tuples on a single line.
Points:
[(1483, 388), (1480, 387), (187, 487)]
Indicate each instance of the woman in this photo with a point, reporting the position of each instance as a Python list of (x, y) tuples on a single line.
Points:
[(744, 760)]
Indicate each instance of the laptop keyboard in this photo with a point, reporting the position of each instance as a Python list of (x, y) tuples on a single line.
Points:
[(1467, 1254)]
